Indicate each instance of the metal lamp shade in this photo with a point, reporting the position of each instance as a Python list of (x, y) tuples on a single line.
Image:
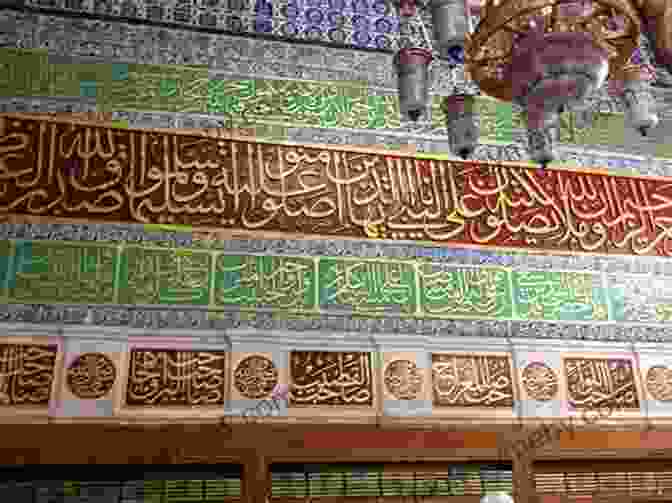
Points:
[(542, 132), (634, 91), (639, 104), (452, 24), (413, 72), (462, 122)]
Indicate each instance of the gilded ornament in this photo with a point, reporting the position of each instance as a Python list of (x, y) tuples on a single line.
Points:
[(255, 377), (403, 380), (659, 383), (540, 381), (26, 374), (460, 380), (599, 382), (91, 375)]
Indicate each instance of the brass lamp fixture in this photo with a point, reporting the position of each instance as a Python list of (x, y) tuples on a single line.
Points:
[(546, 56)]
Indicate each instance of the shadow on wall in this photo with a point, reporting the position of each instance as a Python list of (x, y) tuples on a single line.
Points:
[(263, 409)]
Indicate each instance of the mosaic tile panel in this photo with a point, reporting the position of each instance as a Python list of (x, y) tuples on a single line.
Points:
[(359, 24)]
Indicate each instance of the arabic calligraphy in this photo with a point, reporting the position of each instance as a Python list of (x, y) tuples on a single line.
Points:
[(255, 377), (151, 177), (265, 281), (447, 291), (371, 286), (472, 380), (91, 375), (176, 377), (540, 381), (44, 271), (82, 272), (659, 383), (592, 382), (26, 374), (403, 380), (330, 378), (160, 276), (568, 296)]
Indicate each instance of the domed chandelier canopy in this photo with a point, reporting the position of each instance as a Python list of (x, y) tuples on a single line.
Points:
[(546, 56)]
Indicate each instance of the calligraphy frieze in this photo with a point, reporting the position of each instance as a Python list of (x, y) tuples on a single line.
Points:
[(331, 378), (86, 272), (257, 102), (595, 382), (175, 378), (464, 380), (286, 283), (47, 271), (468, 292), (91, 172), (165, 276), (370, 287), (551, 295), (26, 374)]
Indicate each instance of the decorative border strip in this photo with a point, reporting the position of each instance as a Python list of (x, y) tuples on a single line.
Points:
[(150, 319)]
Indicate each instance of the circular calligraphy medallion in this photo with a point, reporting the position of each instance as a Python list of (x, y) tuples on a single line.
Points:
[(91, 375), (403, 380), (255, 377), (659, 383), (540, 381)]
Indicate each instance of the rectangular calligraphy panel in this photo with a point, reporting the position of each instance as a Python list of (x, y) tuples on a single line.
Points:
[(367, 287), (164, 276), (447, 291), (26, 374), (552, 295), (460, 380), (63, 272), (331, 378), (287, 283), (595, 382), (182, 89), (180, 378)]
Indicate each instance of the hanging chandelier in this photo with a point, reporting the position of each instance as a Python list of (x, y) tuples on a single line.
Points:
[(546, 56)]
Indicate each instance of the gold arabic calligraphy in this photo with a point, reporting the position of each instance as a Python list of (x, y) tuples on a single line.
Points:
[(472, 380), (176, 378), (64, 169), (26, 374), (330, 378), (596, 382)]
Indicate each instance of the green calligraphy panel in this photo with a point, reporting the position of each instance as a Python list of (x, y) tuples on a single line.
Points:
[(164, 276), (550, 295), (182, 89), (447, 291), (57, 272), (370, 287), (284, 283), (6, 262)]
